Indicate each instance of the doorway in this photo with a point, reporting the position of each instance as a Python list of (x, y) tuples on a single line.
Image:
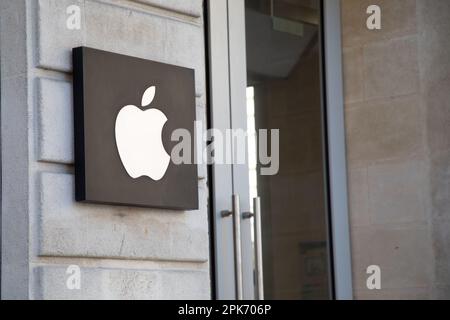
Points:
[(275, 231)]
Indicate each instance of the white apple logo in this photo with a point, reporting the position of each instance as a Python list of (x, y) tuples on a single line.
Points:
[(139, 139)]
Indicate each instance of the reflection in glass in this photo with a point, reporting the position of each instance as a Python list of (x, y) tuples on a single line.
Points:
[(284, 92)]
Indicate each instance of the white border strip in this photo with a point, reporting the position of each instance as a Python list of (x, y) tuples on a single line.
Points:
[(337, 151)]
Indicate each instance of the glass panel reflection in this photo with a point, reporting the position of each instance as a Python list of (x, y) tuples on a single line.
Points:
[(284, 92)]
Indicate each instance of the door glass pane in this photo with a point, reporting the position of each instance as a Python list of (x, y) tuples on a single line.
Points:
[(284, 92)]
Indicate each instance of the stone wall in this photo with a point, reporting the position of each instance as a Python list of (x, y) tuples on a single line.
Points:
[(123, 252), (434, 60), (398, 133)]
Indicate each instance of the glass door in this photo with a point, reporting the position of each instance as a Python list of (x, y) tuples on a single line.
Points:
[(284, 93), (281, 246)]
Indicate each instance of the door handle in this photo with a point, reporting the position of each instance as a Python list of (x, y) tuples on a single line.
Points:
[(258, 246), (236, 213)]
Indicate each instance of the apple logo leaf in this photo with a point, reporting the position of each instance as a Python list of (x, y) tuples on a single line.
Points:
[(148, 96)]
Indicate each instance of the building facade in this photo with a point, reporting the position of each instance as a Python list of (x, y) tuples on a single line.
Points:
[(397, 151)]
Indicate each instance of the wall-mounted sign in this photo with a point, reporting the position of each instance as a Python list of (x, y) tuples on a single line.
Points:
[(125, 112)]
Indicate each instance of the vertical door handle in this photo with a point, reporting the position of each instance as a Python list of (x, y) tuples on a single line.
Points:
[(237, 246), (258, 246), (236, 213)]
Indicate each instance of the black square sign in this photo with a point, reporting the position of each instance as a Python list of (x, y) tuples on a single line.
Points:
[(125, 112)]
